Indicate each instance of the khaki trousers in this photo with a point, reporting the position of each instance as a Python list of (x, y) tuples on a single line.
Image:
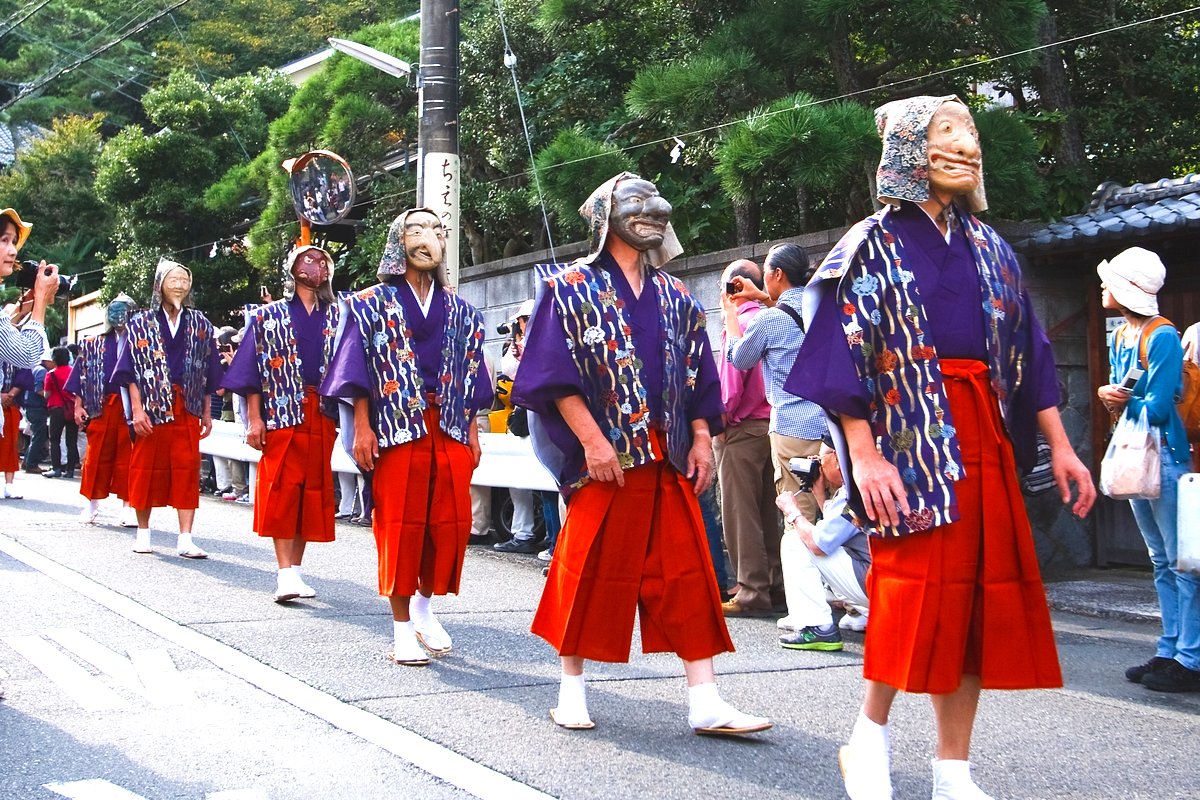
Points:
[(749, 517), (783, 449)]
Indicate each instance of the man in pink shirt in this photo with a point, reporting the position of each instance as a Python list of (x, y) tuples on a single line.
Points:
[(745, 468)]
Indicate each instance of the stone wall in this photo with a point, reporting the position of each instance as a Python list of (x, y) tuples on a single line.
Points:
[(499, 287)]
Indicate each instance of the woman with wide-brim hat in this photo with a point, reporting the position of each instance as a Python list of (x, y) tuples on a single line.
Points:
[(1130, 283)]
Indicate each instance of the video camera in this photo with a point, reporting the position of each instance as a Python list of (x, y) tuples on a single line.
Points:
[(806, 470), (27, 276)]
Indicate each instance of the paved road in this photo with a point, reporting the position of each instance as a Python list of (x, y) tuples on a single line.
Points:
[(298, 700)]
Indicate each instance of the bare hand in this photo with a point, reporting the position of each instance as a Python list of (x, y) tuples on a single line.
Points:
[(1067, 469), (473, 441), (256, 433), (6, 400), (700, 464), (80, 417), (205, 425), (366, 447), (1114, 397), (881, 489), (46, 285), (602, 463), (141, 424)]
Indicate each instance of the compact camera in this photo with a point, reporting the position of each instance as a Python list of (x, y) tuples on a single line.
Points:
[(504, 329), (807, 470), (27, 275)]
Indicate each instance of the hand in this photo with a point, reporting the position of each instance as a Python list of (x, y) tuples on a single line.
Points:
[(256, 433), (366, 447), (46, 285), (700, 463), (141, 424), (80, 417), (602, 463), (881, 488), (1114, 397), (1067, 469), (473, 441), (6, 400), (206, 424)]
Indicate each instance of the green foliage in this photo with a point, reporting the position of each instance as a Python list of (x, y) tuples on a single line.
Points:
[(1014, 188), (569, 168)]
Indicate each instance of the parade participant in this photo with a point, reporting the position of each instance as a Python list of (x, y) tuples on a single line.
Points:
[(100, 411), (410, 355), (10, 429), (619, 375), (171, 367), (278, 369), (933, 408), (24, 348)]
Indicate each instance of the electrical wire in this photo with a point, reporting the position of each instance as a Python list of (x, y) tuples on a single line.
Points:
[(510, 61)]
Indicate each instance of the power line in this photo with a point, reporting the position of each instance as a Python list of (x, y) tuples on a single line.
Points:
[(17, 24), (46, 79)]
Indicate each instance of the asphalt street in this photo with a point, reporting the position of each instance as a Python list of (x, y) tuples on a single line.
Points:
[(158, 677)]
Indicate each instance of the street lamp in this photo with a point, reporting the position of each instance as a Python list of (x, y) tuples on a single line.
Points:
[(393, 66)]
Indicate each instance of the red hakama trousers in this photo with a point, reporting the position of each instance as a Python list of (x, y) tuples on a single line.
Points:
[(106, 463), (10, 460), (422, 517), (294, 493), (640, 547), (965, 598), (164, 467)]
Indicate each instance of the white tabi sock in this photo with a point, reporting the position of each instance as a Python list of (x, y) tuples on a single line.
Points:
[(419, 610), (572, 697), (869, 735)]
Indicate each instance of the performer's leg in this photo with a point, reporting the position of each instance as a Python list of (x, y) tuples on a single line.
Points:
[(866, 759), (141, 543), (955, 714), (406, 650), (429, 631), (707, 712), (572, 711), (184, 546)]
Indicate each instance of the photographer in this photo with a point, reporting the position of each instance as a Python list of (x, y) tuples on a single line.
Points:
[(832, 552), (24, 348), (523, 538)]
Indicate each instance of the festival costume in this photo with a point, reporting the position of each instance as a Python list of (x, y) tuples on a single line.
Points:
[(10, 429), (106, 462), (175, 375), (951, 400), (424, 376), (284, 358), (644, 367)]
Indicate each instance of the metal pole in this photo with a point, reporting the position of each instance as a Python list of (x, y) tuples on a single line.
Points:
[(437, 136)]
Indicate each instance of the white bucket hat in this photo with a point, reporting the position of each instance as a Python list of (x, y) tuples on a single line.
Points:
[(1133, 277)]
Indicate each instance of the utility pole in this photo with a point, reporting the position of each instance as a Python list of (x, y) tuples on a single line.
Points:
[(437, 137)]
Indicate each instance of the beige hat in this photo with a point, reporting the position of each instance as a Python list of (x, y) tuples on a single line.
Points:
[(1133, 277)]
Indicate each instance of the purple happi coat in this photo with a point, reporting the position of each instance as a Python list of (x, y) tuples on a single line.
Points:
[(155, 360), (91, 375)]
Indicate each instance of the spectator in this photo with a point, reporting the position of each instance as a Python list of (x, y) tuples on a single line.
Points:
[(60, 404), (523, 519), (36, 416), (230, 474), (743, 454), (1130, 283), (835, 550)]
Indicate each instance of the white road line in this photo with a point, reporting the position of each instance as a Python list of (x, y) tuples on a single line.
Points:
[(93, 789), (69, 676), (107, 661), (441, 762), (163, 682)]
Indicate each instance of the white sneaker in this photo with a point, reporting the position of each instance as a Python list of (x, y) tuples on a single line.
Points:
[(545, 555), (853, 622), (11, 492), (141, 544)]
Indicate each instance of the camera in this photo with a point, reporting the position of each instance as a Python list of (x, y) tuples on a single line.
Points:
[(504, 329), (732, 288), (806, 470), (27, 275)]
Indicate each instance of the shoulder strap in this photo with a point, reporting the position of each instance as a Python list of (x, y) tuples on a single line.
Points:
[(1147, 329), (793, 313)]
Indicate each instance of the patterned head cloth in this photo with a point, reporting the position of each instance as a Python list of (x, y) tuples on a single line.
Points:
[(596, 211), (23, 228), (393, 263), (121, 304), (325, 293), (165, 266), (903, 172)]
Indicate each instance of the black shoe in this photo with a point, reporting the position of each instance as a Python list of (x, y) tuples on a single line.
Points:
[(1135, 674), (528, 546), (480, 538), (1174, 677)]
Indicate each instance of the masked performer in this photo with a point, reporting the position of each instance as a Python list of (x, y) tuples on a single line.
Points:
[(410, 356), (278, 368), (936, 411), (619, 375), (171, 367), (100, 410)]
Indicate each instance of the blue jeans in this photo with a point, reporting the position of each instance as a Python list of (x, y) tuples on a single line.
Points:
[(1178, 592), (712, 531)]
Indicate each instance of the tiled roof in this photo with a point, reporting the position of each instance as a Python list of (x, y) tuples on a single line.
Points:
[(1118, 213)]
